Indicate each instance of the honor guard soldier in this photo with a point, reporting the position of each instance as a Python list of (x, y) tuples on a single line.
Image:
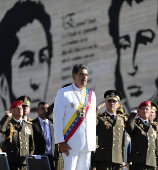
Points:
[(18, 137), (26, 102), (154, 124), (154, 108), (143, 138), (110, 153)]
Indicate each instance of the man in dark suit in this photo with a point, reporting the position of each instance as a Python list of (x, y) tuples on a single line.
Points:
[(44, 134), (110, 153), (143, 138)]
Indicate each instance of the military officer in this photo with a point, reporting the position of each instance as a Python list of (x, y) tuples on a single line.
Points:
[(26, 102), (18, 136), (143, 138), (110, 153), (154, 124), (154, 108)]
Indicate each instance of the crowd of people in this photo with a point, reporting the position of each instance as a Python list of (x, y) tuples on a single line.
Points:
[(73, 127)]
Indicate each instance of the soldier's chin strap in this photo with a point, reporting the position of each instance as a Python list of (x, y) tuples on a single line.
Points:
[(10, 135)]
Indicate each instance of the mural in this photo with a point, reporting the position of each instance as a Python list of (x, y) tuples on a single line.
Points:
[(135, 38), (23, 55), (40, 41)]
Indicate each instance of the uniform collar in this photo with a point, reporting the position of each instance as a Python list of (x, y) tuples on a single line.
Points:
[(110, 113), (18, 121), (143, 120)]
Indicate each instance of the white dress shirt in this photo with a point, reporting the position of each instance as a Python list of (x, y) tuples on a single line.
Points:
[(49, 133)]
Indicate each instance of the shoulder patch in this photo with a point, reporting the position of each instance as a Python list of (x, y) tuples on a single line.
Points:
[(29, 119)]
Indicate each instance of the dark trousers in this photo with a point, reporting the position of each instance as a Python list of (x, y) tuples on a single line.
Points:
[(100, 165), (136, 166), (51, 161), (17, 167)]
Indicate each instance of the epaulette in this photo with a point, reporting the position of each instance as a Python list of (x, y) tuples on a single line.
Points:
[(28, 122), (121, 115), (154, 123), (100, 114), (29, 119)]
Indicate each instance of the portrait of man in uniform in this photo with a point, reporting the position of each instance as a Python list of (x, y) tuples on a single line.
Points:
[(25, 52), (133, 28)]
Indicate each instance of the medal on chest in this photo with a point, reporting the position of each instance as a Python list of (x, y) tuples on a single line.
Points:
[(154, 133), (143, 133), (27, 130), (107, 124), (73, 105)]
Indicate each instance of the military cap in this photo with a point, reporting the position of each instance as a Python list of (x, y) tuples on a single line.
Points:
[(15, 103), (121, 109), (113, 94), (154, 106), (145, 103), (26, 100)]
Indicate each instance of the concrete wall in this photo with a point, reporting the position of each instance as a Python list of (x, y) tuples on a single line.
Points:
[(122, 55)]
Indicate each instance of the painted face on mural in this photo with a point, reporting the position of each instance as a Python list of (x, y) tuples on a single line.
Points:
[(30, 63), (138, 41)]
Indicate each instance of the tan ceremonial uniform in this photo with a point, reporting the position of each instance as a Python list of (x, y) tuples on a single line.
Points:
[(18, 141), (111, 142)]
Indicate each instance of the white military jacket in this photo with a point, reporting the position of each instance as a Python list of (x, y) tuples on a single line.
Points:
[(84, 137)]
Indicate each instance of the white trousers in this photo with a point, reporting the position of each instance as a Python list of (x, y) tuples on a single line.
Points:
[(77, 160)]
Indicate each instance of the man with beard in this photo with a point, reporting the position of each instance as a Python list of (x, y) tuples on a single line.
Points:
[(75, 121)]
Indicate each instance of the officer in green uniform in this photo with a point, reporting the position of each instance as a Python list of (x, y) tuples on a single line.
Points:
[(18, 136), (143, 138), (154, 124), (26, 102), (110, 153)]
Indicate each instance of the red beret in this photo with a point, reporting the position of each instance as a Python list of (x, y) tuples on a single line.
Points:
[(145, 103), (16, 103)]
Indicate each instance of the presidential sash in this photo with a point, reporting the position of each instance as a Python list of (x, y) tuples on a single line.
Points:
[(78, 116)]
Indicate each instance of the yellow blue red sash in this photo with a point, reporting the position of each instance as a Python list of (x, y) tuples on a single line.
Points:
[(75, 121)]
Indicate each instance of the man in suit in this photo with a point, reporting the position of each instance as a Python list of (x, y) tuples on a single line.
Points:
[(26, 102), (44, 134), (143, 138), (110, 153), (18, 136), (75, 121)]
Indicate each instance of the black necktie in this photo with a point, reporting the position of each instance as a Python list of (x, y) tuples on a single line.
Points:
[(146, 123), (113, 117)]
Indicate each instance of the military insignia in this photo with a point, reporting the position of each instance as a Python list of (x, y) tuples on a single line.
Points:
[(143, 133), (14, 134), (141, 125), (27, 130), (81, 112), (113, 94), (154, 133), (73, 105), (108, 117), (107, 124)]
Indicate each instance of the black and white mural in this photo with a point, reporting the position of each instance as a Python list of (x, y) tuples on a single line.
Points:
[(40, 41)]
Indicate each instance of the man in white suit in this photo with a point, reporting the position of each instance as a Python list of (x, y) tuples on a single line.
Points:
[(75, 121)]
